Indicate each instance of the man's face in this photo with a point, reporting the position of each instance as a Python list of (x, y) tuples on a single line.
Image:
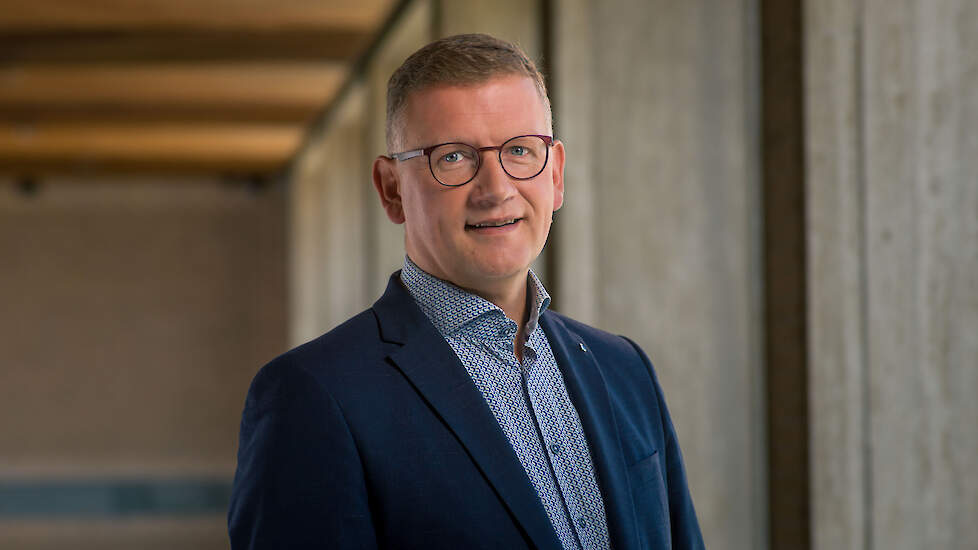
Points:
[(440, 222)]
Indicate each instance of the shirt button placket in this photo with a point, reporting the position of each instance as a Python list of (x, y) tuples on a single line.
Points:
[(582, 525)]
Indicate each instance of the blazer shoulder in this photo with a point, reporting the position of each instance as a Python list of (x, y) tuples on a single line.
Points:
[(339, 353), (354, 338)]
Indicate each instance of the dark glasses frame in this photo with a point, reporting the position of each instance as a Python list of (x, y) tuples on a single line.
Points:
[(426, 151)]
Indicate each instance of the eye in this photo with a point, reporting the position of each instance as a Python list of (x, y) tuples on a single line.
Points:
[(453, 157), (516, 150)]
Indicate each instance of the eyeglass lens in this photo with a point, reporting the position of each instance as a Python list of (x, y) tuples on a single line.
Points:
[(522, 157)]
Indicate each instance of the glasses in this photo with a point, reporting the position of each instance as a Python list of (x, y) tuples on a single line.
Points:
[(455, 164)]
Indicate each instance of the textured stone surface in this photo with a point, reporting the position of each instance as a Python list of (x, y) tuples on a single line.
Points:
[(327, 207), (837, 383), (894, 240), (133, 314), (386, 252), (659, 238)]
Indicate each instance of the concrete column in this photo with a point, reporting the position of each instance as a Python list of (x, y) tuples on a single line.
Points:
[(837, 378), (894, 259), (516, 21), (385, 253), (659, 238), (327, 207)]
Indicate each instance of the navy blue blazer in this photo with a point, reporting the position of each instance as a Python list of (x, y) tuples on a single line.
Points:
[(374, 436)]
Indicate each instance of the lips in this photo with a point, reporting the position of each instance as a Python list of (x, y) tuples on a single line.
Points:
[(503, 222)]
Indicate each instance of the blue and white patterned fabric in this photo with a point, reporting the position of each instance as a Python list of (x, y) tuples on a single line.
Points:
[(529, 400)]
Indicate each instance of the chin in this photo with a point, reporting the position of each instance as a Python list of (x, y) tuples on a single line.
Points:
[(499, 268)]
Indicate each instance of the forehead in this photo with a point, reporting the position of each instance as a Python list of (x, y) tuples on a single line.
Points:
[(496, 109)]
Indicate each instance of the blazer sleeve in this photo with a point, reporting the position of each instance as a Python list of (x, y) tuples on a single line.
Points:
[(299, 482), (682, 516)]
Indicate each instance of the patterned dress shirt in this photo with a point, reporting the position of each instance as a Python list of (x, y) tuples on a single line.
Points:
[(529, 400)]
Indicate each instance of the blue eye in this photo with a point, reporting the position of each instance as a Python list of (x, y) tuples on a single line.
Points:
[(517, 150), (453, 157)]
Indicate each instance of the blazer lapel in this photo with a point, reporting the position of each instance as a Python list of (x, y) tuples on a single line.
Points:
[(589, 393), (435, 371)]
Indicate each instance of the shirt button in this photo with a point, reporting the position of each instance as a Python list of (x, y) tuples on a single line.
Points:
[(555, 449)]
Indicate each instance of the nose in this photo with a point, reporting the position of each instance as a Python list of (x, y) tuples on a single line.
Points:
[(492, 185)]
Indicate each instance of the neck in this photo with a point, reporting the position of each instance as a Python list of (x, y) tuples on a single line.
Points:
[(514, 301), (508, 294)]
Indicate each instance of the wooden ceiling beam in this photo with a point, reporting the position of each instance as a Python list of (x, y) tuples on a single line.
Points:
[(228, 148), (60, 15), (171, 86), (192, 85), (181, 45), (150, 113)]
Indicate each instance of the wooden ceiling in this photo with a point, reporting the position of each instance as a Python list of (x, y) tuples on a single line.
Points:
[(193, 86)]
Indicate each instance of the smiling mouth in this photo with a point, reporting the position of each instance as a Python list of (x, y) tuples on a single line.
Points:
[(500, 223)]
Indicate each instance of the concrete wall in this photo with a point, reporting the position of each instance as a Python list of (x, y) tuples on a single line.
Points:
[(133, 314), (659, 236), (415, 29), (327, 211), (892, 154)]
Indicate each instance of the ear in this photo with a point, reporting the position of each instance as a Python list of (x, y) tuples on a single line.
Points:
[(388, 187), (557, 152)]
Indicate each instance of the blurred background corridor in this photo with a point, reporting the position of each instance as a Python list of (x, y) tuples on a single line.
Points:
[(777, 200)]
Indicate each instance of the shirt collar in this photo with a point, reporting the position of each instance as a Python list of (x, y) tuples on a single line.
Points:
[(450, 308)]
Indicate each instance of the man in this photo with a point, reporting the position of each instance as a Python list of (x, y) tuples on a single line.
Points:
[(459, 412)]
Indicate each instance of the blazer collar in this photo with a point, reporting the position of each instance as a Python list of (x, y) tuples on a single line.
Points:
[(589, 393), (435, 371)]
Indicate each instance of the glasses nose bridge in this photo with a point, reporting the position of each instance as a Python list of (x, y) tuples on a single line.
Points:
[(497, 184), (497, 148)]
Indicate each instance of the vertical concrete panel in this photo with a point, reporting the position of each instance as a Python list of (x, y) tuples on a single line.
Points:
[(517, 21), (328, 241), (674, 211), (922, 219), (909, 130), (386, 249), (305, 232), (343, 210), (574, 90), (836, 262)]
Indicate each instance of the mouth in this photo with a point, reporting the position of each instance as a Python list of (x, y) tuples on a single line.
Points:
[(491, 224)]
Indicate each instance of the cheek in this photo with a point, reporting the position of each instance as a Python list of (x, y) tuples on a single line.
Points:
[(542, 199), (433, 218)]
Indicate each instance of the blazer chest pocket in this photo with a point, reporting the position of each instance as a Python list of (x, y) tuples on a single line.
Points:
[(645, 471), (649, 495)]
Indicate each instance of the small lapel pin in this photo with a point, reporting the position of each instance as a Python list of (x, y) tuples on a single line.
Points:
[(584, 349)]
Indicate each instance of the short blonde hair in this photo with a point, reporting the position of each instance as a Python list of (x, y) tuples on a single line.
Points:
[(456, 60)]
